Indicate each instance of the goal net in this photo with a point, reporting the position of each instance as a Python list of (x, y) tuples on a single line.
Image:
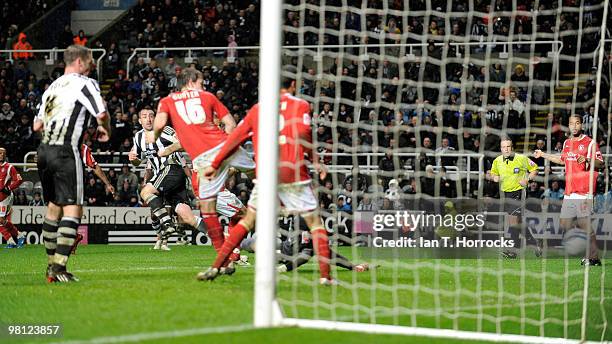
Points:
[(410, 102)]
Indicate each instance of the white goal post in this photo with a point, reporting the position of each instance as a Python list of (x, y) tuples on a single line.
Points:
[(269, 311)]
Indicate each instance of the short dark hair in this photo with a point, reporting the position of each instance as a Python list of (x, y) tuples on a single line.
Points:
[(576, 116), (74, 52), (287, 82)]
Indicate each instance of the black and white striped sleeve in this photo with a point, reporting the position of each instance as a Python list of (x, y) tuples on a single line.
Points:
[(90, 98), (168, 136), (41, 109), (136, 148)]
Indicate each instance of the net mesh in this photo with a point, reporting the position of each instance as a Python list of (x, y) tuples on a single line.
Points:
[(410, 100)]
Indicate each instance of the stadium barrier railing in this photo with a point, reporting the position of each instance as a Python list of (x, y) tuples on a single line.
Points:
[(53, 55)]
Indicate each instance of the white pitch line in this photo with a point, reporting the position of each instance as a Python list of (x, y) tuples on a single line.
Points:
[(138, 337), (442, 311)]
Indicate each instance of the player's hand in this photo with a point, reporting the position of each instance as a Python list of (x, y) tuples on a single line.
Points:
[(103, 135), (209, 172), (523, 182), (110, 189), (538, 154), (320, 169), (132, 155)]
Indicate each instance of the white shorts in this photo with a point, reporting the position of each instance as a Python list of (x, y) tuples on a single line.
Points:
[(576, 206), (5, 206), (207, 189), (296, 198), (228, 204)]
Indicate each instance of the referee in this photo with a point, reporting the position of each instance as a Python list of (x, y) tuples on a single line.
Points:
[(64, 112), (514, 171)]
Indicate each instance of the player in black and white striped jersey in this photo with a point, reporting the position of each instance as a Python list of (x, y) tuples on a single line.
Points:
[(63, 114), (168, 182)]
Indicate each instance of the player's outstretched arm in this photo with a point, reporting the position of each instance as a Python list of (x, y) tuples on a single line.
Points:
[(109, 187), (550, 157), (161, 119), (174, 147), (228, 123), (319, 168), (104, 126)]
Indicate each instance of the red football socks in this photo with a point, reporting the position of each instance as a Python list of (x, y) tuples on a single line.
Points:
[(320, 243), (236, 235)]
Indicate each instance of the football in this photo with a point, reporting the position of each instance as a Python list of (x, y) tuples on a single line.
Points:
[(575, 242)]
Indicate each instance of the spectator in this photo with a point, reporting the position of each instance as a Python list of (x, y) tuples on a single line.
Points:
[(126, 191), (448, 187), (428, 181), (66, 37), (552, 197), (534, 190), (94, 193), (6, 114), (491, 188), (129, 176), (21, 198), (22, 44), (366, 204), (37, 200), (541, 145), (80, 38)]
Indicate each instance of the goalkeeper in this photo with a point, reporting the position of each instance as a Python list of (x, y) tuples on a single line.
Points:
[(514, 171), (292, 257)]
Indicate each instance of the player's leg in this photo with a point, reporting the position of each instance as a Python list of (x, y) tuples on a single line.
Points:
[(49, 233), (54, 211), (230, 206), (5, 222), (69, 186), (206, 191), (157, 227), (301, 199), (7, 233), (150, 195), (568, 214), (320, 243), (236, 236), (583, 222), (67, 233), (237, 233), (185, 215)]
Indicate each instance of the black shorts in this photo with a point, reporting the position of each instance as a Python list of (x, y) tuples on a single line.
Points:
[(513, 202), (171, 183), (61, 174)]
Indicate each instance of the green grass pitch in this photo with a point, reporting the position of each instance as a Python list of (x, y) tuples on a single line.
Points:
[(131, 293)]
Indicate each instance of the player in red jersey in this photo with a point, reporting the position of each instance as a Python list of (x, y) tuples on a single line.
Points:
[(295, 185), (579, 152), (9, 181), (192, 112)]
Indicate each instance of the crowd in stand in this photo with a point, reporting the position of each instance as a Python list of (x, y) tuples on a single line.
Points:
[(168, 23), (422, 122)]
